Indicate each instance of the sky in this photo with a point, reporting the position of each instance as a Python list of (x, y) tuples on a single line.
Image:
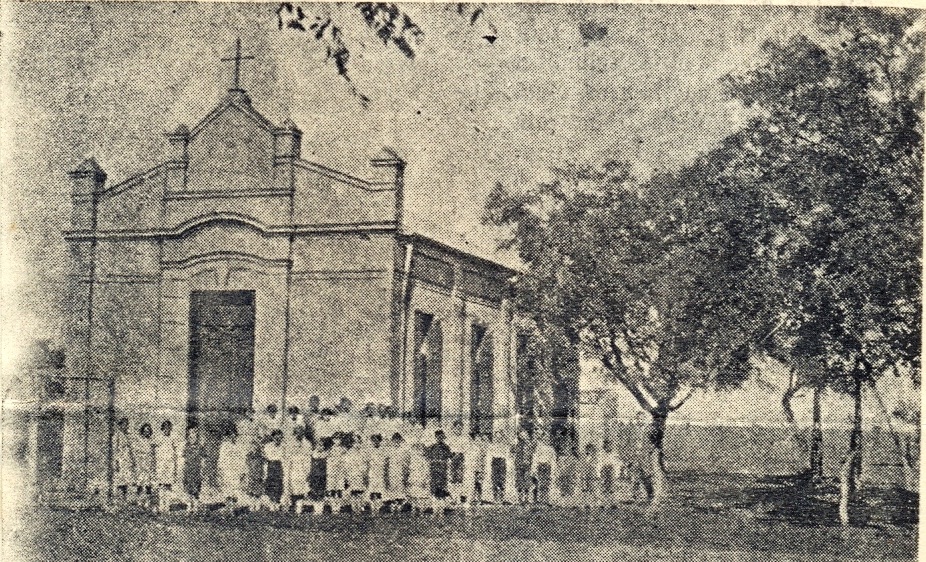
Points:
[(108, 79)]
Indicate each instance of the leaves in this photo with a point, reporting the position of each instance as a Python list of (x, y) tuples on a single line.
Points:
[(839, 121), (652, 278), (388, 22), (391, 25)]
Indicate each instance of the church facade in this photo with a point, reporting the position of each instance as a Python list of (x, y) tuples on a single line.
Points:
[(237, 274)]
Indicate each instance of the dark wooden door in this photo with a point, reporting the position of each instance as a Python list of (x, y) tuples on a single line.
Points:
[(221, 365)]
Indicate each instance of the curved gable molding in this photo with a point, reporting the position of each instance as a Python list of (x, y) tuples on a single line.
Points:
[(227, 217), (226, 257)]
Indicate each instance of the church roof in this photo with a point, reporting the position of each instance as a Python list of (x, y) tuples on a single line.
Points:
[(467, 250)]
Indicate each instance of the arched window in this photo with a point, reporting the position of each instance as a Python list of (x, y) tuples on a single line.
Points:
[(481, 383), (428, 365)]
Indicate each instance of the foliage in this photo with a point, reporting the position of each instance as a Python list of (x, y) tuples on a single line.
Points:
[(655, 279), (390, 24), (838, 138)]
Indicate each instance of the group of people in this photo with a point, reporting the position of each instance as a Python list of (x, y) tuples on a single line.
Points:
[(334, 460)]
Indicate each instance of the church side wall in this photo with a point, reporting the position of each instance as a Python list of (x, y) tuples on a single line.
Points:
[(341, 308), (461, 294)]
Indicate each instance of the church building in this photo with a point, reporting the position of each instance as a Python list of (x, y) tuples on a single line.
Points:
[(237, 274)]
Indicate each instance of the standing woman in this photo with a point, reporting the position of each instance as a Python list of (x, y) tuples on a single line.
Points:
[(165, 464), (123, 460), (273, 468), (144, 459), (193, 454)]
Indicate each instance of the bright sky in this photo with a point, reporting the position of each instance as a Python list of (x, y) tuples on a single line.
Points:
[(108, 80)]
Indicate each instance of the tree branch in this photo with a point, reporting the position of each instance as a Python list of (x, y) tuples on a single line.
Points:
[(632, 388), (682, 402)]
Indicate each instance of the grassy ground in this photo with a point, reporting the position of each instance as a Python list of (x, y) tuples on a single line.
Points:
[(711, 518)]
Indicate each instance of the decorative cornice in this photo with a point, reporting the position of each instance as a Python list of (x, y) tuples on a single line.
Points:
[(347, 274), (236, 194), (273, 230), (344, 178), (225, 256)]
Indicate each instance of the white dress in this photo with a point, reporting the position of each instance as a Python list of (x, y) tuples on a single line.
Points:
[(124, 469), (376, 471), (165, 461), (355, 462), (419, 473), (143, 451), (297, 475), (232, 467)]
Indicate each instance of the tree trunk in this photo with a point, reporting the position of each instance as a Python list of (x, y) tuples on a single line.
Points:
[(855, 440), (656, 437), (816, 437), (852, 467)]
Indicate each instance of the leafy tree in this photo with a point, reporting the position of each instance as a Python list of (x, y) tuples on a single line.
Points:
[(839, 134), (655, 280)]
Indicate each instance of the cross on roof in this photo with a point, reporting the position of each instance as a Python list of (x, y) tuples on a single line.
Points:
[(237, 58)]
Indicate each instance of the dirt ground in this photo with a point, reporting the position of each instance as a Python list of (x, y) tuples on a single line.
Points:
[(712, 517)]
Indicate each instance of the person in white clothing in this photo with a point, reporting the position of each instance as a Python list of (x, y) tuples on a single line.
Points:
[(355, 464), (376, 473), (165, 466), (143, 451), (544, 473), (232, 469), (336, 477), (418, 490), (499, 471), (299, 462), (463, 466), (123, 460), (397, 464)]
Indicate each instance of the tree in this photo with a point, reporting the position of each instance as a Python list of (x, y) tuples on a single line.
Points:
[(659, 281), (839, 127), (391, 25)]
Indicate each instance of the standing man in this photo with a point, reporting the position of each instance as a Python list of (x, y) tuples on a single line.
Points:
[(438, 456)]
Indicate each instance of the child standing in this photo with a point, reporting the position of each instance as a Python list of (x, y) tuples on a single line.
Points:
[(273, 469), (123, 460), (193, 454), (461, 473), (418, 489), (590, 471), (299, 460), (376, 473), (144, 459), (438, 456), (397, 464), (232, 468), (355, 463), (336, 474), (318, 474), (165, 465)]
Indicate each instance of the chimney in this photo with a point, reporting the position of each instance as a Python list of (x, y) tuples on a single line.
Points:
[(389, 173), (176, 165), (87, 182)]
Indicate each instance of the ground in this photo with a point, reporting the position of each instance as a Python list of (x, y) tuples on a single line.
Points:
[(712, 517)]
